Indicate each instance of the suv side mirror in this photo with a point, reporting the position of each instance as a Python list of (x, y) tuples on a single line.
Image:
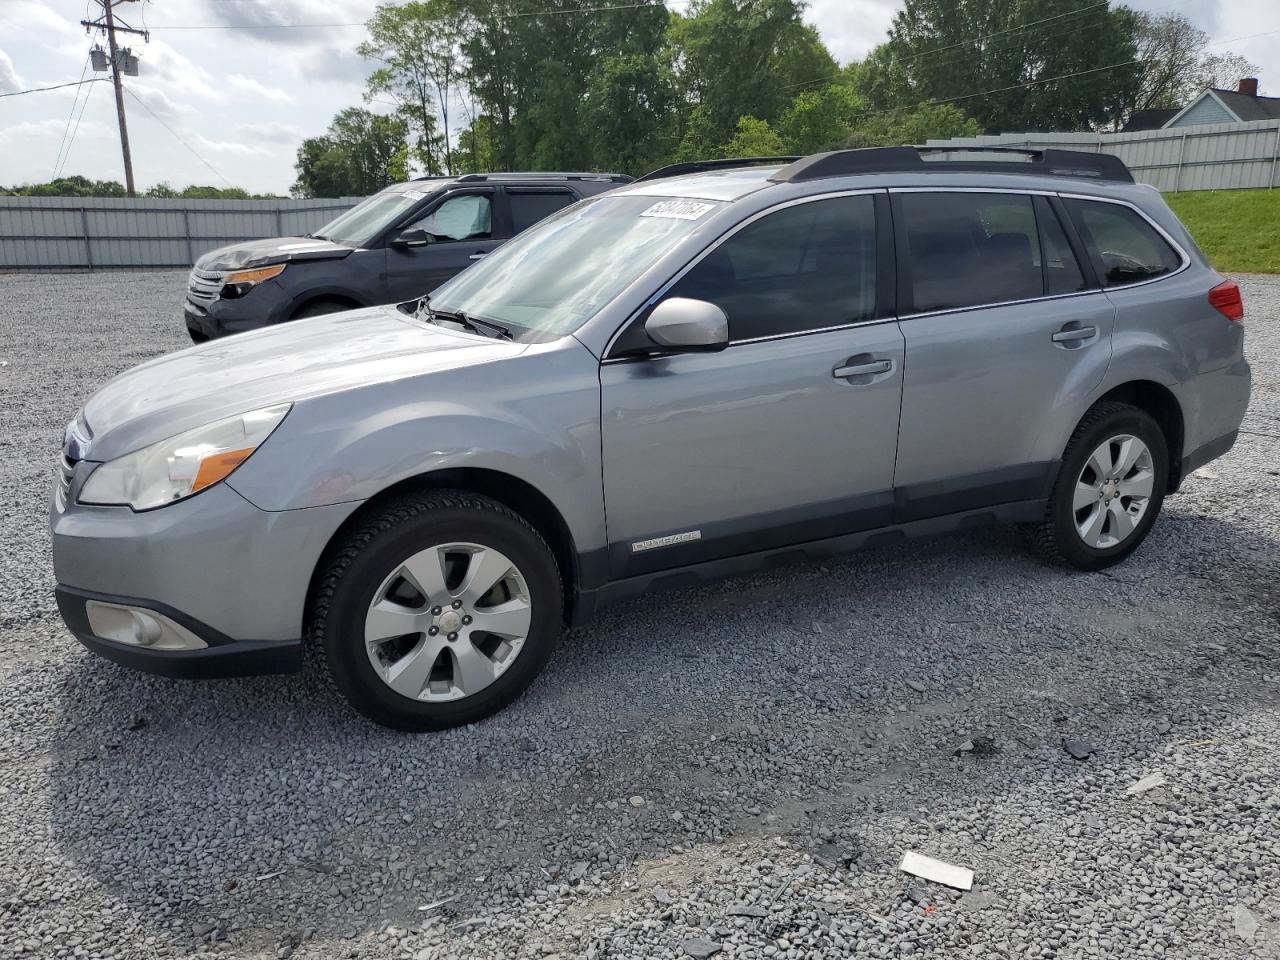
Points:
[(410, 238), (683, 325)]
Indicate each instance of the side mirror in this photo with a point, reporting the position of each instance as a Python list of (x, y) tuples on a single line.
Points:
[(683, 325), (410, 238)]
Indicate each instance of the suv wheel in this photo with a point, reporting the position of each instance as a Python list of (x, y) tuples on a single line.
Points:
[(1109, 490), (319, 308), (438, 611)]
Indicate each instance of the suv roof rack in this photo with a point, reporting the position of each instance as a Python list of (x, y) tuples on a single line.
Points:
[(1056, 163), (546, 175), (702, 166)]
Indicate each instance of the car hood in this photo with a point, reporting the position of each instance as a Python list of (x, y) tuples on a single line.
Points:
[(286, 363), (262, 253)]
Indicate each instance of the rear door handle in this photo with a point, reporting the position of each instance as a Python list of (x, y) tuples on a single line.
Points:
[(477, 256), (1072, 334), (862, 369)]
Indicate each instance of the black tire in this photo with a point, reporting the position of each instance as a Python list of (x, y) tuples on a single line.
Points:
[(319, 308), (360, 564), (1056, 538)]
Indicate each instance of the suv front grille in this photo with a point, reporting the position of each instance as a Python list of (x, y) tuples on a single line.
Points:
[(204, 286), (66, 469)]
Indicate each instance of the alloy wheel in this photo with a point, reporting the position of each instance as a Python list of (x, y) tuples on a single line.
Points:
[(1113, 491), (448, 622)]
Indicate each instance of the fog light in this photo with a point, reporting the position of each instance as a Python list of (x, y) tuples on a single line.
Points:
[(139, 627)]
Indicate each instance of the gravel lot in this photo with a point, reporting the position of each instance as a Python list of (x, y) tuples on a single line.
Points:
[(738, 767)]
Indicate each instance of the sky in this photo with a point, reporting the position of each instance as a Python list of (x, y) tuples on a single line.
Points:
[(221, 102)]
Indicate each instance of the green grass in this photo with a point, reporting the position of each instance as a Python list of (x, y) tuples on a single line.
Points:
[(1239, 230)]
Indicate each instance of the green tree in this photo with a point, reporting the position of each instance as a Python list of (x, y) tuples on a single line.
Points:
[(75, 186), (820, 119), (894, 128), (569, 89), (361, 153), (754, 138), (420, 47), (736, 58), (626, 113), (1012, 64)]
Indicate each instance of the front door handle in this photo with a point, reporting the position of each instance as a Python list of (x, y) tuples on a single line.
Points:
[(862, 369), (1071, 334), (477, 256)]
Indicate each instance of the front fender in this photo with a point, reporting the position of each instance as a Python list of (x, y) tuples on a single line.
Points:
[(534, 417)]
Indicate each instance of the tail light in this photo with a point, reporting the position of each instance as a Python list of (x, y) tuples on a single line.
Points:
[(1225, 298)]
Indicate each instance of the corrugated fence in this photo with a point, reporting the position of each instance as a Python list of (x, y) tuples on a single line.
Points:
[(65, 233), (74, 233), (1216, 156)]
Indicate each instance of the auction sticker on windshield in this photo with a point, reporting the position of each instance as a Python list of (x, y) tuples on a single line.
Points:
[(679, 209)]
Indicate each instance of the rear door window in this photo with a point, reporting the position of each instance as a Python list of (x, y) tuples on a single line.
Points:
[(1062, 273), (1125, 247), (530, 206), (806, 267), (969, 249)]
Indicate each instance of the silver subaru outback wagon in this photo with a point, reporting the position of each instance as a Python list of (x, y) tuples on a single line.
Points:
[(678, 380)]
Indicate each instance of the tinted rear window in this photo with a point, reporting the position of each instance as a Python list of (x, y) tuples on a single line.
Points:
[(1126, 248), (528, 208), (967, 249)]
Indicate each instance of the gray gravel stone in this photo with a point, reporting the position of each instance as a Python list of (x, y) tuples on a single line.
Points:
[(118, 842)]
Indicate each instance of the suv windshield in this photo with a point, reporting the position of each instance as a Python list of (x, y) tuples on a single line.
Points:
[(555, 276), (368, 218)]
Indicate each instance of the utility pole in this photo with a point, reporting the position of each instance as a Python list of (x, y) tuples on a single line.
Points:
[(108, 23)]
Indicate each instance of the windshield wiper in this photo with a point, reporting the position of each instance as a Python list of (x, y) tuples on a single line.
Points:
[(474, 324)]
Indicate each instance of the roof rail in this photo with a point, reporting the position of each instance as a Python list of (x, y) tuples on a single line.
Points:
[(546, 175), (701, 166), (1054, 163)]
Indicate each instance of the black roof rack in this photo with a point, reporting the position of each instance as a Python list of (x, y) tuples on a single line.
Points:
[(1054, 163), (702, 166), (546, 175)]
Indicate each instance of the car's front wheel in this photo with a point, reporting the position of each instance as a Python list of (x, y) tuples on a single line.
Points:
[(438, 610), (1109, 490)]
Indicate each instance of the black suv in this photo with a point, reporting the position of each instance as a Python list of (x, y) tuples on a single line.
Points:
[(393, 246)]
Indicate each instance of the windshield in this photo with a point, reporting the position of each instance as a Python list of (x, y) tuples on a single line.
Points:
[(368, 218), (555, 276)]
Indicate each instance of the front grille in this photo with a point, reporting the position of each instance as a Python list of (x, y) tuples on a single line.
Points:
[(204, 286), (66, 469)]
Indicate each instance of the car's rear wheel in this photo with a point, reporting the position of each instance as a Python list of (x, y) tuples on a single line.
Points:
[(1109, 490), (438, 610)]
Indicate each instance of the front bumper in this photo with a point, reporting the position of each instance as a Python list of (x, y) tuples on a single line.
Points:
[(221, 657), (234, 576), (224, 317)]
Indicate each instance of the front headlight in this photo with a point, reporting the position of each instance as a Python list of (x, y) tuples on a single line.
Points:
[(180, 466), (250, 278), (239, 282)]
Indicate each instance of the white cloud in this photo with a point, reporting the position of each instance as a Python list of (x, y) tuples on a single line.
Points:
[(159, 102), (200, 141), (272, 132), (239, 81), (9, 79), (52, 127)]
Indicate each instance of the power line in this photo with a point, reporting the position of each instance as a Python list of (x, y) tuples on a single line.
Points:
[(57, 160), (574, 11), (175, 136), (56, 86), (74, 130)]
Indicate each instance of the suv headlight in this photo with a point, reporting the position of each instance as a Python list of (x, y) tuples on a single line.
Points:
[(239, 282), (180, 466)]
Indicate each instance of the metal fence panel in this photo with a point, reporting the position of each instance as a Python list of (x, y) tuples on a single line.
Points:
[(1217, 156), (73, 233)]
